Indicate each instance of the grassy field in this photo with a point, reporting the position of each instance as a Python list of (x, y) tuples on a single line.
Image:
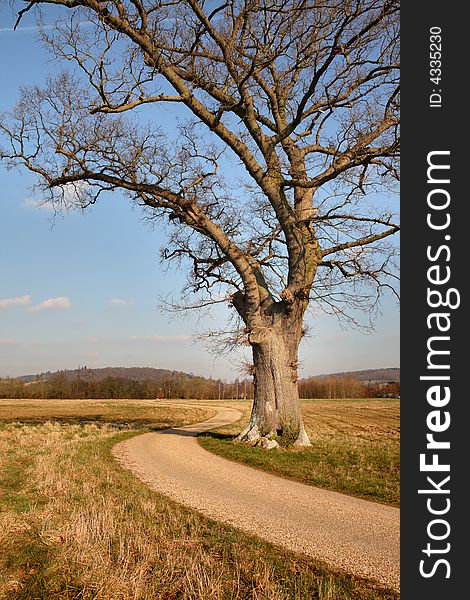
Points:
[(74, 525), (355, 447), (122, 414)]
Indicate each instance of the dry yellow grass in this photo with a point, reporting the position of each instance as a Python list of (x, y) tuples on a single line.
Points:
[(124, 413), (370, 417), (73, 525)]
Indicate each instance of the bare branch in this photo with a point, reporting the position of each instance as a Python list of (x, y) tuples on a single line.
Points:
[(304, 97)]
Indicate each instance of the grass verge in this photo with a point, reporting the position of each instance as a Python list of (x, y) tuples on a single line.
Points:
[(74, 525), (355, 448)]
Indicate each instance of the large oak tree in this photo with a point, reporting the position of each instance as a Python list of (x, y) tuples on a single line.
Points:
[(301, 96)]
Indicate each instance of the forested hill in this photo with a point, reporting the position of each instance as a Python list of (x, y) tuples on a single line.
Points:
[(146, 382), (383, 375), (120, 382), (128, 373)]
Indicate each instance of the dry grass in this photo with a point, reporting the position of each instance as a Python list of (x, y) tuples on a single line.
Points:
[(74, 525), (355, 447), (125, 414)]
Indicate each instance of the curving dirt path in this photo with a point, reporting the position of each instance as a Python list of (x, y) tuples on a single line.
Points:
[(351, 534)]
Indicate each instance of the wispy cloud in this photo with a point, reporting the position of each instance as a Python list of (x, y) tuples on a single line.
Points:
[(33, 203), (10, 302), (6, 342), (67, 197), (26, 29), (59, 303), (121, 303), (160, 338), (35, 28)]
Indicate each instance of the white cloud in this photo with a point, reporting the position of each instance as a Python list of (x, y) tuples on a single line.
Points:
[(72, 195), (26, 29), (9, 302), (35, 28), (65, 197), (30, 202), (122, 303), (60, 303), (4, 342), (160, 338)]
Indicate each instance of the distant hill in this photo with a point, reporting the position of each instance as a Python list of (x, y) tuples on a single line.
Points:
[(129, 373), (383, 375)]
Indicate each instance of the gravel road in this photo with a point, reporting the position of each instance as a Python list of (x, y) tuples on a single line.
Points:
[(351, 534)]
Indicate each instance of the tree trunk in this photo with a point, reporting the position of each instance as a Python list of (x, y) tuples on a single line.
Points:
[(276, 407)]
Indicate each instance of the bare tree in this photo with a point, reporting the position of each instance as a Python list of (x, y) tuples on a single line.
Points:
[(301, 94)]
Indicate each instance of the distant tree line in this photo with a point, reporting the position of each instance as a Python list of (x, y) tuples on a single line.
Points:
[(345, 387), (61, 385)]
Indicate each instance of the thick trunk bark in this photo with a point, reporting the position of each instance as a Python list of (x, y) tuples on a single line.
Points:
[(276, 407)]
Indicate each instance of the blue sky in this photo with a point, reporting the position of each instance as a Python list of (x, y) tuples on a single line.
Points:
[(84, 289)]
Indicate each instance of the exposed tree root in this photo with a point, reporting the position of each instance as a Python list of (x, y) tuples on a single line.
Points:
[(251, 436)]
